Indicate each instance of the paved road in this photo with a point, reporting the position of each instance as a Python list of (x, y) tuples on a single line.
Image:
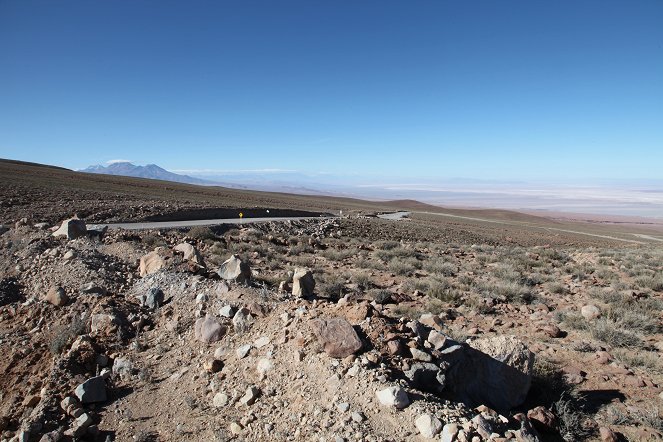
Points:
[(529, 224), (197, 222), (394, 216), (653, 238)]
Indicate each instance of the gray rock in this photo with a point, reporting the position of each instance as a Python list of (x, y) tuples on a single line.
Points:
[(303, 283), (220, 400), (72, 228), (92, 390), (242, 320), (357, 416), (437, 339), (393, 396), (426, 376), (92, 289), (496, 372), (250, 395), (227, 311), (3, 229), (68, 402), (420, 355), (153, 299), (80, 426), (209, 330), (234, 269), (123, 368)]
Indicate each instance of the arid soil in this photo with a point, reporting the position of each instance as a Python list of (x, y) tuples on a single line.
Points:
[(419, 329)]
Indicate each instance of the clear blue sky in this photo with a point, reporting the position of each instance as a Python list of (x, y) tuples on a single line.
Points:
[(478, 89)]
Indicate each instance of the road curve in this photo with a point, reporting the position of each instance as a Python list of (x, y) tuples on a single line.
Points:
[(198, 222)]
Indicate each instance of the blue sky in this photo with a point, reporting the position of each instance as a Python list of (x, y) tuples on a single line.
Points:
[(570, 90)]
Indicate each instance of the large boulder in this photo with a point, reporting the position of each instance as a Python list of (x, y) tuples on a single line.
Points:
[(337, 337), (209, 330), (496, 372), (92, 390), (303, 283), (151, 263), (56, 296), (190, 253), (72, 228), (234, 269)]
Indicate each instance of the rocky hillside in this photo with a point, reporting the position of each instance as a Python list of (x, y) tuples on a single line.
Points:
[(323, 330)]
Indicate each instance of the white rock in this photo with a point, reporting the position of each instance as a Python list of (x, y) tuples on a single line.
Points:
[(261, 342), (227, 311), (590, 312), (428, 425), (449, 432), (220, 400), (393, 396), (353, 371), (264, 365), (243, 351)]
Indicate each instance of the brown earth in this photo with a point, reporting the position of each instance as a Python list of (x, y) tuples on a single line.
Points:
[(469, 279)]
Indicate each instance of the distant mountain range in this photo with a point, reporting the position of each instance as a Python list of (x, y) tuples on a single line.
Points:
[(151, 171)]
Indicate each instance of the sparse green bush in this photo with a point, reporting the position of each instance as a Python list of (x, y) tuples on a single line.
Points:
[(556, 287), (201, 233), (607, 332), (650, 282), (387, 245), (573, 423), (362, 279), (153, 241), (440, 267), (402, 266), (64, 335), (648, 360)]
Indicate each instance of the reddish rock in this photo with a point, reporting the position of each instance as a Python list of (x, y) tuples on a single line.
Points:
[(542, 419), (337, 336), (635, 381), (607, 435), (552, 330), (56, 296), (432, 321), (395, 347), (357, 313), (602, 357)]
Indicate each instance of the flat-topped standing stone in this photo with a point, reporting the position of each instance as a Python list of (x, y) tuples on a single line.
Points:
[(337, 336), (303, 283), (72, 228)]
